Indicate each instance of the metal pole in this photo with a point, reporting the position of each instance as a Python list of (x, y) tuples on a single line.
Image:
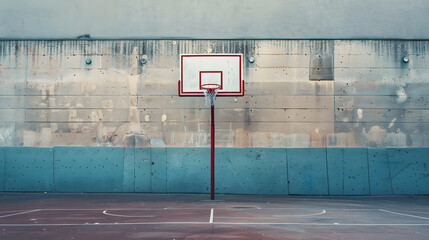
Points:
[(212, 184)]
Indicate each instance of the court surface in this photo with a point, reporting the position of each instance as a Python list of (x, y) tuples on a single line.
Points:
[(167, 216)]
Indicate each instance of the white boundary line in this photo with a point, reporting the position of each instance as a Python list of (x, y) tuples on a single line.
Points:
[(403, 214), (101, 209), (327, 224), (14, 214), (217, 223), (425, 213), (102, 224), (110, 209), (118, 215), (172, 208), (211, 216), (262, 218), (304, 215)]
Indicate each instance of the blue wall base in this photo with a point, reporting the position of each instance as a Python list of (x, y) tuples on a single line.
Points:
[(299, 171)]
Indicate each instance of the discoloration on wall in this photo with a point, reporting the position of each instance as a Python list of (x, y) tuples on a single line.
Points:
[(49, 96), (375, 136)]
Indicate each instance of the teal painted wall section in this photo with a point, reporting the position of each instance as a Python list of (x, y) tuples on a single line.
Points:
[(251, 170), (409, 169), (348, 171), (307, 171), (303, 171), (2, 160), (142, 172), (188, 170), (88, 169), (128, 177), (335, 170), (379, 172), (355, 165), (158, 170), (28, 169)]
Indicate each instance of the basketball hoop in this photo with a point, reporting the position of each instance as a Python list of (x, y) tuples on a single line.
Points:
[(210, 91)]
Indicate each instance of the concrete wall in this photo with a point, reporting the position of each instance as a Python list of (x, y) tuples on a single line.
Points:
[(299, 93), (299, 171), (215, 19)]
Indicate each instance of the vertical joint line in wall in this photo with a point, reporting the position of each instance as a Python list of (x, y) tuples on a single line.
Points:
[(367, 167), (334, 94), (150, 167), (333, 87), (390, 174), (54, 189), (309, 60), (26, 85), (166, 172), (287, 172), (134, 166), (342, 168), (327, 171), (333, 66), (124, 156), (4, 169)]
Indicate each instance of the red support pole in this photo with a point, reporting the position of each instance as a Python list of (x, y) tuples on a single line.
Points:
[(212, 184)]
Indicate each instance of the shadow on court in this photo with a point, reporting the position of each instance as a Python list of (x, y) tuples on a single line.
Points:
[(152, 216)]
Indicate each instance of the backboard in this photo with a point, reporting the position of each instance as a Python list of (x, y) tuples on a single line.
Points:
[(199, 69)]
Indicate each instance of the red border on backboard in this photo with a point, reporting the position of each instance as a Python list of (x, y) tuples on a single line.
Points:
[(239, 93), (221, 78)]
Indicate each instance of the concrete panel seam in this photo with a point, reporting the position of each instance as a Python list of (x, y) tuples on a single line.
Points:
[(327, 167), (390, 174), (342, 165), (367, 164), (134, 175), (53, 170), (166, 170), (4, 169), (287, 172)]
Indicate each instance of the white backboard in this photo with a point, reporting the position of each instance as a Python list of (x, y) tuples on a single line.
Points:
[(223, 69)]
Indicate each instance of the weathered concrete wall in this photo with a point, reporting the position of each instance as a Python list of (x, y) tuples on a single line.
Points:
[(299, 93), (215, 19)]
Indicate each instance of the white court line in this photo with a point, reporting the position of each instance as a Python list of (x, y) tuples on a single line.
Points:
[(101, 224), (308, 208), (99, 209), (156, 209), (403, 214), (326, 224), (211, 216), (218, 223), (114, 209), (118, 215), (351, 209), (14, 214), (303, 215), (425, 213), (267, 218)]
